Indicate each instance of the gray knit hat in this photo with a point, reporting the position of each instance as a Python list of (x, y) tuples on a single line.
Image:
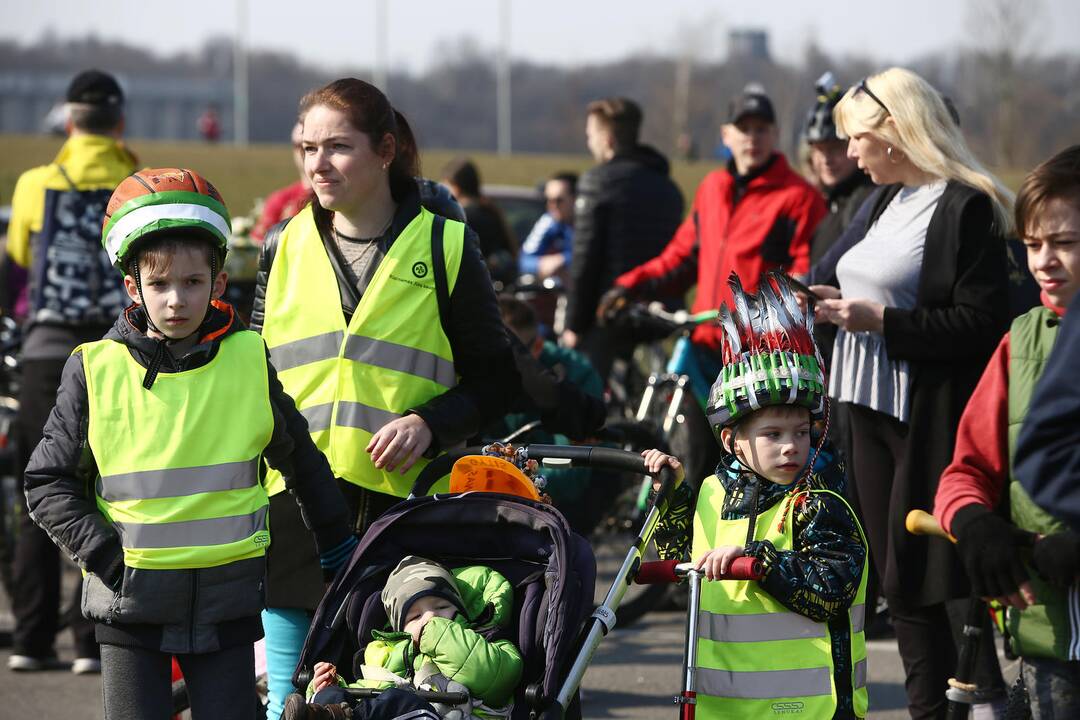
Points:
[(414, 578)]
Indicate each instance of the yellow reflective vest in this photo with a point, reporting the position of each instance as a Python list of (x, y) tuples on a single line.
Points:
[(755, 657), (179, 463), (350, 380)]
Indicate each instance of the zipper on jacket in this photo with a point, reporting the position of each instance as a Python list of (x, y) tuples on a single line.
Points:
[(191, 621)]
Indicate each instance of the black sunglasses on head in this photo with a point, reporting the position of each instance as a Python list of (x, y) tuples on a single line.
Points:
[(863, 87)]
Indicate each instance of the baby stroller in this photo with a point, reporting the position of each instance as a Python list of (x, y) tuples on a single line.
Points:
[(552, 570)]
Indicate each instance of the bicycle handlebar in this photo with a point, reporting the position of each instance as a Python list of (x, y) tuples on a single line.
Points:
[(681, 317), (671, 571)]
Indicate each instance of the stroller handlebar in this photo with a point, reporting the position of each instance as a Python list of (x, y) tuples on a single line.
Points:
[(671, 571), (578, 455), (432, 696)]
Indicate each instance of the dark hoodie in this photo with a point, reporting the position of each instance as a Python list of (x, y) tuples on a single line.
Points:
[(178, 611), (626, 212)]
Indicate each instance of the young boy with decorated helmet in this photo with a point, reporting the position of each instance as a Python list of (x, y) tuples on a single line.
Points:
[(1014, 550), (148, 474), (441, 624), (791, 643)]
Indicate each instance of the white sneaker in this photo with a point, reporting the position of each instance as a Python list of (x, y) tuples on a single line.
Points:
[(25, 663), (86, 666)]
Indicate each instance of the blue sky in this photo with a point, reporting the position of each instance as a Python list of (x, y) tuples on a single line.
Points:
[(337, 34)]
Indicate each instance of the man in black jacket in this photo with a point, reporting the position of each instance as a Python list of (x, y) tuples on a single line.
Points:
[(627, 210)]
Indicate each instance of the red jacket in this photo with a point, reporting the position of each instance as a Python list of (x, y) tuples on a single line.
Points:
[(980, 467), (281, 205), (769, 227)]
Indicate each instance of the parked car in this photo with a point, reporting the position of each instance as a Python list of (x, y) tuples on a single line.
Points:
[(521, 205)]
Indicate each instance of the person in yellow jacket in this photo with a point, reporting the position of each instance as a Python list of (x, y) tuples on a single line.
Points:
[(792, 643), (61, 284), (381, 319), (148, 474)]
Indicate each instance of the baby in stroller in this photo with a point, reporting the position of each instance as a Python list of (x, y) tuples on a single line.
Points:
[(441, 626)]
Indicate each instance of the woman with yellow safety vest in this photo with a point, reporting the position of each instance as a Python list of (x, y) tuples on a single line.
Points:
[(382, 322)]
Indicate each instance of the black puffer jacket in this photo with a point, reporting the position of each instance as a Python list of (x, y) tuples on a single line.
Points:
[(179, 611), (626, 212), (478, 338)]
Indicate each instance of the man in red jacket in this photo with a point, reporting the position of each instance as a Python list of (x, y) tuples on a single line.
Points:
[(753, 216)]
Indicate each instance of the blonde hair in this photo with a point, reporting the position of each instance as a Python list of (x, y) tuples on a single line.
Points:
[(923, 129)]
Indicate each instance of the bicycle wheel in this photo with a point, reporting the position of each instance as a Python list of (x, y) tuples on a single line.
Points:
[(617, 498)]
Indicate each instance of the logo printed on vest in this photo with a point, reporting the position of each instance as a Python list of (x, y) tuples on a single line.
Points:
[(788, 708), (419, 269), (261, 539)]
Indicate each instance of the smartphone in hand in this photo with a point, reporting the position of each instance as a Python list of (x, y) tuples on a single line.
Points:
[(803, 290)]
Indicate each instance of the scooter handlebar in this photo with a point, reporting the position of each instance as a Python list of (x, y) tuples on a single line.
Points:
[(671, 571), (920, 522)]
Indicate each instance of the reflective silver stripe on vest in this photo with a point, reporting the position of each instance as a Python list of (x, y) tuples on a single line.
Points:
[(363, 417), (192, 533), (402, 358), (860, 674), (318, 416), (309, 350), (758, 627), (764, 684), (178, 482), (857, 613)]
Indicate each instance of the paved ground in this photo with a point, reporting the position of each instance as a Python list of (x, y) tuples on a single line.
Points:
[(634, 675)]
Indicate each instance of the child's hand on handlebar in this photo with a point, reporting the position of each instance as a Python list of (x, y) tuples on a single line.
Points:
[(656, 460), (325, 675), (717, 562)]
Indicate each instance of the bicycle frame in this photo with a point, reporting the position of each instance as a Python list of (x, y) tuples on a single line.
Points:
[(683, 372)]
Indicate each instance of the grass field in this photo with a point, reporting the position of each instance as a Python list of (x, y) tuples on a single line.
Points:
[(242, 175)]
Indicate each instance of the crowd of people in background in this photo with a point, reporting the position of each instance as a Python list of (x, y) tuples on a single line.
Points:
[(949, 388)]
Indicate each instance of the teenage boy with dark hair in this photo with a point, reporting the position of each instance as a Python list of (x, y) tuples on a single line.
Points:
[(626, 210)]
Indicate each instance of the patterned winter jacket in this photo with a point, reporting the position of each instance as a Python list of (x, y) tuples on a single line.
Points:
[(821, 575)]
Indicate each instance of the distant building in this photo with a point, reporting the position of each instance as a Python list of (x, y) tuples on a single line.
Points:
[(155, 107), (748, 44)]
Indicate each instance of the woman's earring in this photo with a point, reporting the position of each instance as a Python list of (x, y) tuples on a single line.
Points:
[(892, 159), (385, 165)]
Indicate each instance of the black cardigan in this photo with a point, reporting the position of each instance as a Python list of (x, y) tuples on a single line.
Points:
[(961, 312)]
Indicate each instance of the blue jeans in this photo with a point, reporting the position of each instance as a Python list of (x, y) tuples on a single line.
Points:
[(1054, 688)]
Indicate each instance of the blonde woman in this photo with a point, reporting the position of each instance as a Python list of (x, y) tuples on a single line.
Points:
[(921, 301)]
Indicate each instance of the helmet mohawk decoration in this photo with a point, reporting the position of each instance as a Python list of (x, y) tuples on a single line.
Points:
[(769, 354)]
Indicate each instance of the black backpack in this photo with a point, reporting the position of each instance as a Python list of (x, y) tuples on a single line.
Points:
[(72, 281)]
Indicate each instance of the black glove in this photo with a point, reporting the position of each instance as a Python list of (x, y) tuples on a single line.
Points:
[(610, 303), (990, 548), (1057, 557)]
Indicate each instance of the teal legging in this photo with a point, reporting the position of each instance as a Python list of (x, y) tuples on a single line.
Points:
[(285, 630)]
